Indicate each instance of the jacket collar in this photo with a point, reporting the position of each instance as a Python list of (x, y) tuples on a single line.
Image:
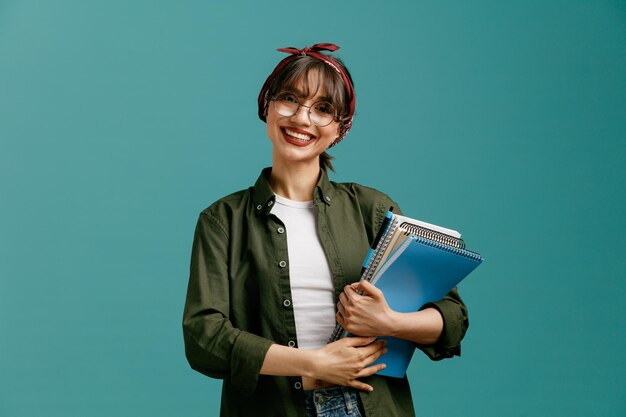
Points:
[(263, 196)]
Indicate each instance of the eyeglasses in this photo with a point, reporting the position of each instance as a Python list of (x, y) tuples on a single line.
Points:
[(321, 113)]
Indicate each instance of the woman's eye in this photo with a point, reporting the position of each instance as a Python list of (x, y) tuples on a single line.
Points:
[(289, 98), (325, 108)]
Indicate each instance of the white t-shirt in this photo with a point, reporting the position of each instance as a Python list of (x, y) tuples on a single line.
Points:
[(312, 289)]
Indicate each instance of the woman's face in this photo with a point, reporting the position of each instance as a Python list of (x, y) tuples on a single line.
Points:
[(295, 138)]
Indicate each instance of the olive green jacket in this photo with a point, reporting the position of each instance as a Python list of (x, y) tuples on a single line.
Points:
[(239, 296)]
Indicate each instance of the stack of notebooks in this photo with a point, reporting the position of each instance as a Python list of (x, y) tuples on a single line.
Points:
[(412, 263)]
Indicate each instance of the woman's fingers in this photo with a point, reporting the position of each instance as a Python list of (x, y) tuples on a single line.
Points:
[(371, 370), (343, 300), (373, 349), (377, 354), (357, 341), (369, 289), (341, 309), (367, 346), (355, 383), (350, 295), (351, 357)]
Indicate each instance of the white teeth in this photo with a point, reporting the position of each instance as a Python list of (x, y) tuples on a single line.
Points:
[(297, 135)]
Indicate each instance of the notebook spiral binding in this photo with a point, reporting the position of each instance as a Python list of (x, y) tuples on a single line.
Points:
[(415, 230), (458, 251), (380, 250)]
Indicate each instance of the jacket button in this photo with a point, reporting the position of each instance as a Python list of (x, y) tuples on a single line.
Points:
[(291, 343), (327, 198), (297, 385), (280, 230), (259, 207), (286, 303), (282, 264), (269, 203)]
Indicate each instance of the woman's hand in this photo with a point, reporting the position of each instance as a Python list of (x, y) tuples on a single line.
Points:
[(370, 315), (344, 361), (367, 314), (338, 363)]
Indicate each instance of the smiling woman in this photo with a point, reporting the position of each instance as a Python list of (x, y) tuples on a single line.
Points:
[(302, 123), (273, 267)]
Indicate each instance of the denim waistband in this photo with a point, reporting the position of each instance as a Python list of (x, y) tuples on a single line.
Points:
[(332, 402)]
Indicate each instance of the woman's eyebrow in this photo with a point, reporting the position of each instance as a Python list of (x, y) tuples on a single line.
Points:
[(300, 94)]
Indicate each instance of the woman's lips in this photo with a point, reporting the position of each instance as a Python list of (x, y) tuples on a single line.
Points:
[(297, 137)]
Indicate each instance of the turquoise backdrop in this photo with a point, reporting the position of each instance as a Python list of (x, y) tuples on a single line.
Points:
[(121, 120)]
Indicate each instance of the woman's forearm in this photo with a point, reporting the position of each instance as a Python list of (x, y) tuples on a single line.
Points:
[(422, 327), (287, 361)]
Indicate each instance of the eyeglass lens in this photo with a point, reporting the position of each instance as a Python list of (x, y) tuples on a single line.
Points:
[(321, 113)]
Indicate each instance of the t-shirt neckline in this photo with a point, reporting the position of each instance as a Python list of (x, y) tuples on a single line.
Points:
[(293, 203)]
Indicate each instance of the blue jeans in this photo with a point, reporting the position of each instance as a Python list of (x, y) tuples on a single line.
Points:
[(333, 402)]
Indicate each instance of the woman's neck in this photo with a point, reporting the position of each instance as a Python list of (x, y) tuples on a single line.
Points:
[(295, 182)]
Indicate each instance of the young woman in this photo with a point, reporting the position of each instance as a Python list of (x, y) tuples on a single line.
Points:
[(274, 266)]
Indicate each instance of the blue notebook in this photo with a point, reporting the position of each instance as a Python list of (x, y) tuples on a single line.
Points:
[(418, 272), (413, 263)]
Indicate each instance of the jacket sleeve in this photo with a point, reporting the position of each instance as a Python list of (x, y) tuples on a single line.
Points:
[(455, 319), (455, 324), (212, 345)]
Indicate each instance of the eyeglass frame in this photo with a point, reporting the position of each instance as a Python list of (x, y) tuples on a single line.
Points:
[(335, 118)]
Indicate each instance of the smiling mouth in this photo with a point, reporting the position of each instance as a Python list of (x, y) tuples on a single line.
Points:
[(298, 135)]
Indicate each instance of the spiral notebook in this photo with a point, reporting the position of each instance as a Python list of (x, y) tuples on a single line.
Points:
[(413, 263)]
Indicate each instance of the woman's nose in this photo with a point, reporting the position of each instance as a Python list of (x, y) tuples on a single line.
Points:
[(302, 116)]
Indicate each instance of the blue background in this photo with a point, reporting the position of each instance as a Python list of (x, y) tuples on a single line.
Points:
[(120, 121)]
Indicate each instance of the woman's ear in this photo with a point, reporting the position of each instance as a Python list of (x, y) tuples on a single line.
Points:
[(265, 106)]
